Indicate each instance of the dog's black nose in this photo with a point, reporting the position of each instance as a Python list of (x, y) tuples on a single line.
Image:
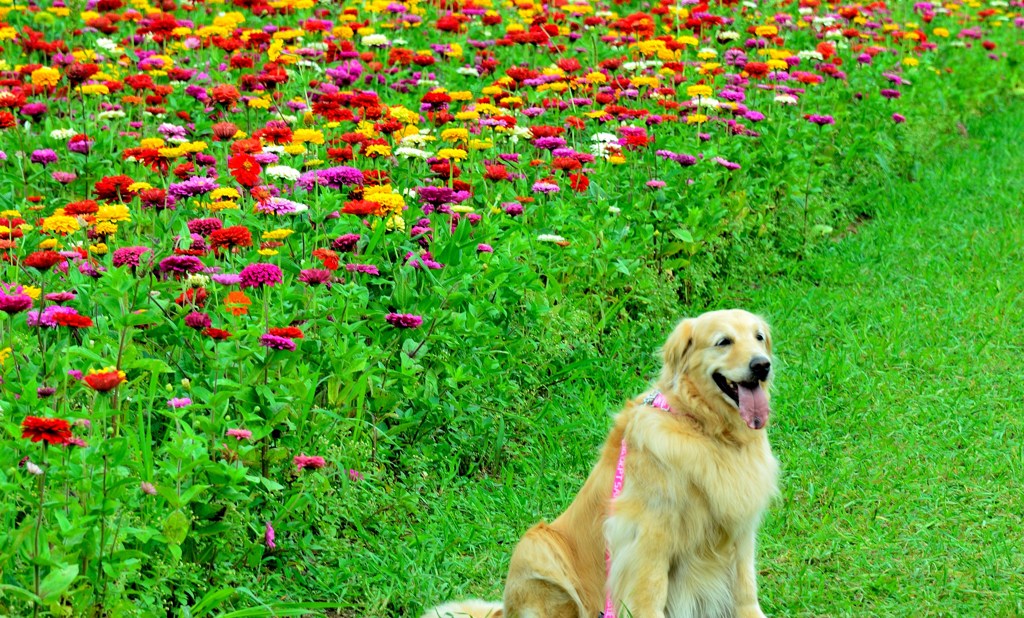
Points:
[(760, 366)]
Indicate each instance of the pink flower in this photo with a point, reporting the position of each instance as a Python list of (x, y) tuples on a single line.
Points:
[(147, 488), (355, 475), (404, 320), (309, 461), (269, 535), (240, 434)]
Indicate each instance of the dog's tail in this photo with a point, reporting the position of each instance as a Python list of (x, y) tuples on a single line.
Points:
[(473, 608)]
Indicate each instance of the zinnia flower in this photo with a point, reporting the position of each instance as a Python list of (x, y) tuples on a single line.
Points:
[(239, 434), (404, 320), (259, 275), (52, 430), (274, 342), (105, 379), (309, 461)]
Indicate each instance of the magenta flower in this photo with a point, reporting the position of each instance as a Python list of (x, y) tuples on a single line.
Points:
[(484, 248), (129, 256), (404, 320), (259, 275), (198, 320), (366, 269), (275, 342), (239, 434), (13, 299), (355, 475), (179, 402), (309, 461), (268, 536), (316, 276)]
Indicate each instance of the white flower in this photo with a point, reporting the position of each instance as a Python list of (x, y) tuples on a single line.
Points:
[(63, 134), (471, 71), (412, 153), (785, 99), (728, 35), (708, 51), (107, 44), (805, 10), (309, 64), (197, 281), (283, 172), (706, 102), (809, 54), (375, 40), (550, 238), (614, 210), (606, 138), (109, 114), (33, 469), (274, 148)]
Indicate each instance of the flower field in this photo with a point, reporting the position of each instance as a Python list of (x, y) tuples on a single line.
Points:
[(264, 259)]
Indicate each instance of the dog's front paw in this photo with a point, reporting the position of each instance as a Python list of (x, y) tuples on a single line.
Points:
[(749, 611)]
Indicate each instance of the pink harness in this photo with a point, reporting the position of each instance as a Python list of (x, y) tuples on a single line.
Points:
[(658, 401)]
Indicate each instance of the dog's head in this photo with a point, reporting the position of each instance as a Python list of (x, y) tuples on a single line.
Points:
[(726, 356)]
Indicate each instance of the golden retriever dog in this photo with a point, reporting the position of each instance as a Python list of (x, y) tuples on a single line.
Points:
[(665, 525)]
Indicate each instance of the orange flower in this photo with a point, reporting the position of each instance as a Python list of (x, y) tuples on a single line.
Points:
[(237, 303)]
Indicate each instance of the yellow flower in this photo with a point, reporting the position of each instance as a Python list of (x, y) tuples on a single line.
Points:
[(307, 135), (461, 95), (99, 248), (640, 81), (395, 223), (100, 89), (267, 252), (49, 243), (172, 153), (222, 205), (152, 142), (696, 119), (911, 62), (4, 353), (225, 193), (596, 78), (616, 159), (941, 32), (259, 103), (699, 90), (382, 150), (480, 144), (60, 224), (45, 77), (105, 228), (136, 187), (193, 147), (467, 115), (452, 153), (113, 213), (766, 31), (32, 291), (295, 149), (278, 234), (455, 135)]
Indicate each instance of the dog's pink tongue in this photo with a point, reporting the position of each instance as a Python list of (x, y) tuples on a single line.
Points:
[(754, 406)]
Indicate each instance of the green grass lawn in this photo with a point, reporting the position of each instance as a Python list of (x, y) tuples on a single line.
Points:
[(896, 415)]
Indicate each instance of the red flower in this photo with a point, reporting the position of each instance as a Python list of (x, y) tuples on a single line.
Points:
[(225, 94), (72, 320), (104, 381), (53, 430), (496, 173), (234, 236), (217, 334), (43, 260), (245, 169), (287, 331), (360, 207), (328, 257), (114, 188), (83, 207), (579, 182)]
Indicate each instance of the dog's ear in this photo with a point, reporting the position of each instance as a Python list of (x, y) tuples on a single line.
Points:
[(676, 351)]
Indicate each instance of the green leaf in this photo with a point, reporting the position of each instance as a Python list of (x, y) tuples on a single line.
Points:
[(57, 581), (176, 527)]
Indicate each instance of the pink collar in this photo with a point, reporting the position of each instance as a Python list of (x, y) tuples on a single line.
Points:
[(656, 400)]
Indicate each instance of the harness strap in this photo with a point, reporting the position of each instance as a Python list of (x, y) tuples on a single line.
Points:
[(656, 400)]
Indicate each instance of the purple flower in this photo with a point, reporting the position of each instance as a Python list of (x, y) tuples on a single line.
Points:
[(179, 402), (259, 275), (226, 279), (333, 177), (180, 264), (404, 320), (345, 242), (512, 209), (889, 93), (13, 299), (275, 342), (129, 256), (192, 187), (198, 320), (729, 165), (43, 156), (821, 119), (316, 276), (366, 269), (544, 187), (268, 536)]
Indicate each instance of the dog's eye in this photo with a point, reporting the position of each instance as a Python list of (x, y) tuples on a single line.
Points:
[(724, 342), (759, 337)]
